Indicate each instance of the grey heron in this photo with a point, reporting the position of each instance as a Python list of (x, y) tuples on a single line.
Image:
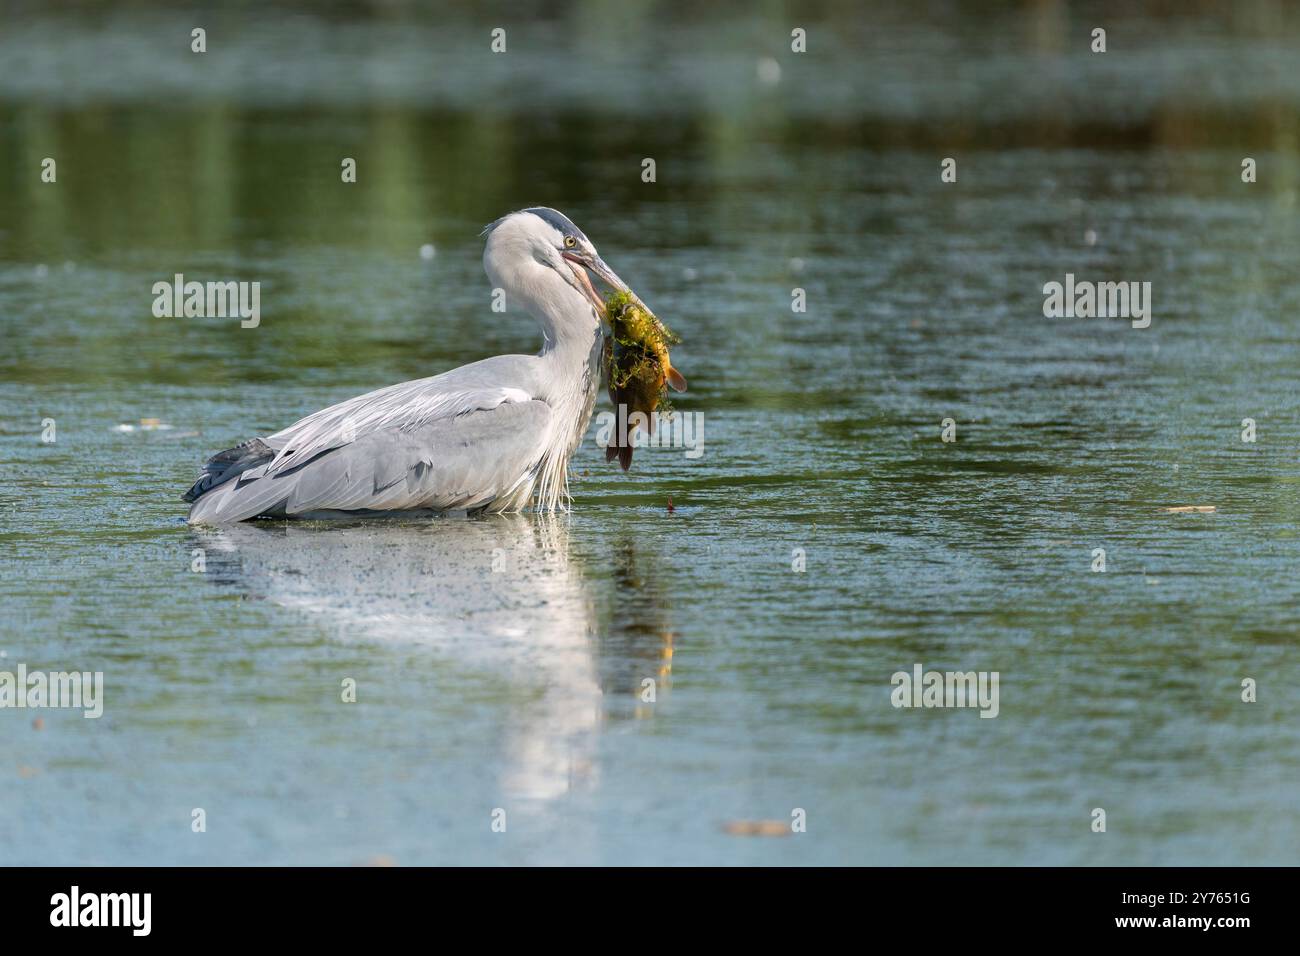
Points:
[(493, 435)]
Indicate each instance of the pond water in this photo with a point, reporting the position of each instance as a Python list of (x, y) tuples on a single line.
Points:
[(500, 663)]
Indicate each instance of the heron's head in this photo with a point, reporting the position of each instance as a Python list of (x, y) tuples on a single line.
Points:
[(540, 255)]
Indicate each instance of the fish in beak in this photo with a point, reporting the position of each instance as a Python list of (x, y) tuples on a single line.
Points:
[(636, 369)]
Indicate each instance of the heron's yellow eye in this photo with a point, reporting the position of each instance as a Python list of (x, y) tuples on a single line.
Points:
[(570, 242)]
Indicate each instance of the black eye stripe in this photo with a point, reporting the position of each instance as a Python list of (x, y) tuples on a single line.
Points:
[(561, 222)]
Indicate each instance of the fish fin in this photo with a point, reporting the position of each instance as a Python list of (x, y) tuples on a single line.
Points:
[(676, 380)]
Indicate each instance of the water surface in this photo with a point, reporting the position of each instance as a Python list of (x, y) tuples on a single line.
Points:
[(521, 688)]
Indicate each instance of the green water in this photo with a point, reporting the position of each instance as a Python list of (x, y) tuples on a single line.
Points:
[(520, 688)]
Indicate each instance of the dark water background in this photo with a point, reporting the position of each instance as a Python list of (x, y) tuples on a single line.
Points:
[(520, 689)]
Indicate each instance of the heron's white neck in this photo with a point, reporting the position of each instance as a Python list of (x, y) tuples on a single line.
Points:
[(570, 371), (569, 363), (567, 319)]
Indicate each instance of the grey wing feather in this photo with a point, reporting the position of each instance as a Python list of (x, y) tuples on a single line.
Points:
[(473, 387), (455, 441), (229, 464), (462, 463)]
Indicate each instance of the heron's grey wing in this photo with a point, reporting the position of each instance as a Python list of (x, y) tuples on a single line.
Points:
[(474, 387), (389, 424), (462, 462)]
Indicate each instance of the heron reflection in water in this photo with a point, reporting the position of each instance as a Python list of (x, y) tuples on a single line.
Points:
[(502, 595)]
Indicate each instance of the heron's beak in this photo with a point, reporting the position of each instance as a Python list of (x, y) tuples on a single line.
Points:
[(584, 283), (605, 274)]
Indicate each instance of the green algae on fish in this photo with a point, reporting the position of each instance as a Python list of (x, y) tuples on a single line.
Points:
[(637, 369)]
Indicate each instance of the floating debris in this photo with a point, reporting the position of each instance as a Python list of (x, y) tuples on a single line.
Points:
[(146, 425), (768, 71), (767, 828), (1190, 509)]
